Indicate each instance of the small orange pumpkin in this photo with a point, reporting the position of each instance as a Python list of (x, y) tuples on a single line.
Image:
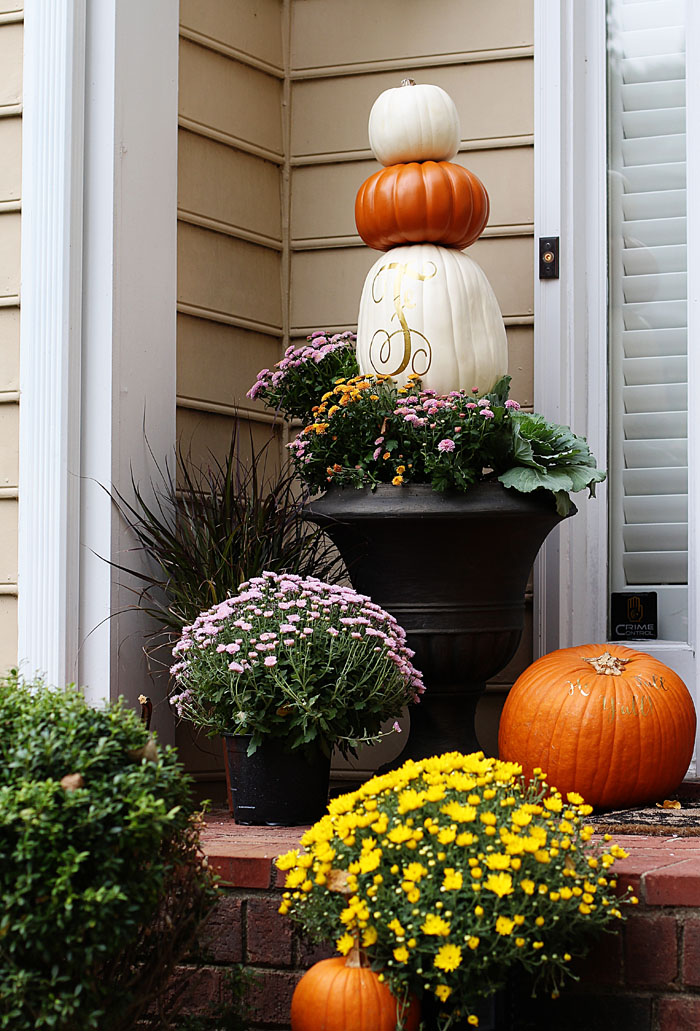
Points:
[(421, 202), (611, 723), (342, 994)]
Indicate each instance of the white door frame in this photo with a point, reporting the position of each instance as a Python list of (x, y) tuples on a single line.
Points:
[(571, 585), (97, 349)]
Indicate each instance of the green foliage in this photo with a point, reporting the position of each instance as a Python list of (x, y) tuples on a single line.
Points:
[(209, 529), (101, 886), (551, 457)]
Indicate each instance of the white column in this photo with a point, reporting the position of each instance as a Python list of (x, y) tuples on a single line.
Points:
[(52, 217), (113, 371)]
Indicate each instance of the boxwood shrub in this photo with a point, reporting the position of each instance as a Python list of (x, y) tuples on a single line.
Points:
[(101, 881)]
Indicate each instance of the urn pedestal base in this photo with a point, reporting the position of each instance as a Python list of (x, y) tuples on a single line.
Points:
[(452, 569)]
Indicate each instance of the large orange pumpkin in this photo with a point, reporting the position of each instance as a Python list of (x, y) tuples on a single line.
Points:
[(421, 202), (613, 724), (340, 995)]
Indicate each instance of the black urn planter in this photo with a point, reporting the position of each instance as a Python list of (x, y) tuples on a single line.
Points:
[(274, 787), (452, 569)]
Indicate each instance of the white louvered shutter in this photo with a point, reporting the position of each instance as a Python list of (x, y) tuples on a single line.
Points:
[(648, 467)]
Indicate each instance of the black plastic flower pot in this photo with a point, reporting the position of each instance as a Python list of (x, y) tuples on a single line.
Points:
[(274, 787)]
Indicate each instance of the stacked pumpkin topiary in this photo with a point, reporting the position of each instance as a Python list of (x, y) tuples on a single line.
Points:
[(426, 309)]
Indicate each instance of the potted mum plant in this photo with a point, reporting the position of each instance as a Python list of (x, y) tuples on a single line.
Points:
[(286, 670), (438, 505), (443, 875)]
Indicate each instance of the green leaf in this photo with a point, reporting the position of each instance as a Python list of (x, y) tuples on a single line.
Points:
[(498, 395)]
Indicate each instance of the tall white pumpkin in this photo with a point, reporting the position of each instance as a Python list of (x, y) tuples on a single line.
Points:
[(431, 311)]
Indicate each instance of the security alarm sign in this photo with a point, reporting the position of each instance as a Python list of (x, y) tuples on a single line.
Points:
[(633, 616)]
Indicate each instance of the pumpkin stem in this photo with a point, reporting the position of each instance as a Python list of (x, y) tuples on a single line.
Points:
[(357, 957), (608, 665), (408, 82)]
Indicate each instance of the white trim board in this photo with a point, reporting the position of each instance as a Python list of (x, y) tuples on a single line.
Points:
[(570, 313)]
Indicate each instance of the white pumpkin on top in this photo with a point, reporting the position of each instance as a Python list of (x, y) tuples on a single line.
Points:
[(414, 123)]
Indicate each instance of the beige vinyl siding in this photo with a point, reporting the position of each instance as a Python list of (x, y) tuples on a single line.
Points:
[(231, 254), (356, 33), (230, 234), (10, 194)]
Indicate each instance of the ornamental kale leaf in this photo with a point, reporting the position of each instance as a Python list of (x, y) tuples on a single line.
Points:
[(550, 456)]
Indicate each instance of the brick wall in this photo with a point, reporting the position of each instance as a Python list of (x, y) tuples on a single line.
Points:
[(646, 977)]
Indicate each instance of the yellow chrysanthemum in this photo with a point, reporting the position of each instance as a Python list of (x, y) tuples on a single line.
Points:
[(457, 813), (504, 925), (435, 924), (497, 861), (288, 860), (401, 954), (344, 944), (452, 880), (295, 877), (449, 957), (400, 834), (554, 804), (500, 884), (370, 860), (443, 992), (415, 871)]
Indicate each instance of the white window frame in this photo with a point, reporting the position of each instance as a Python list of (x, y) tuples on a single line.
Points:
[(571, 581)]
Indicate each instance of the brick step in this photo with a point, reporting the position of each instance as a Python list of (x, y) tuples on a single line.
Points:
[(644, 977)]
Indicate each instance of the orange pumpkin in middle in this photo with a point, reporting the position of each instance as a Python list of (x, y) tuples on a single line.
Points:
[(421, 202)]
